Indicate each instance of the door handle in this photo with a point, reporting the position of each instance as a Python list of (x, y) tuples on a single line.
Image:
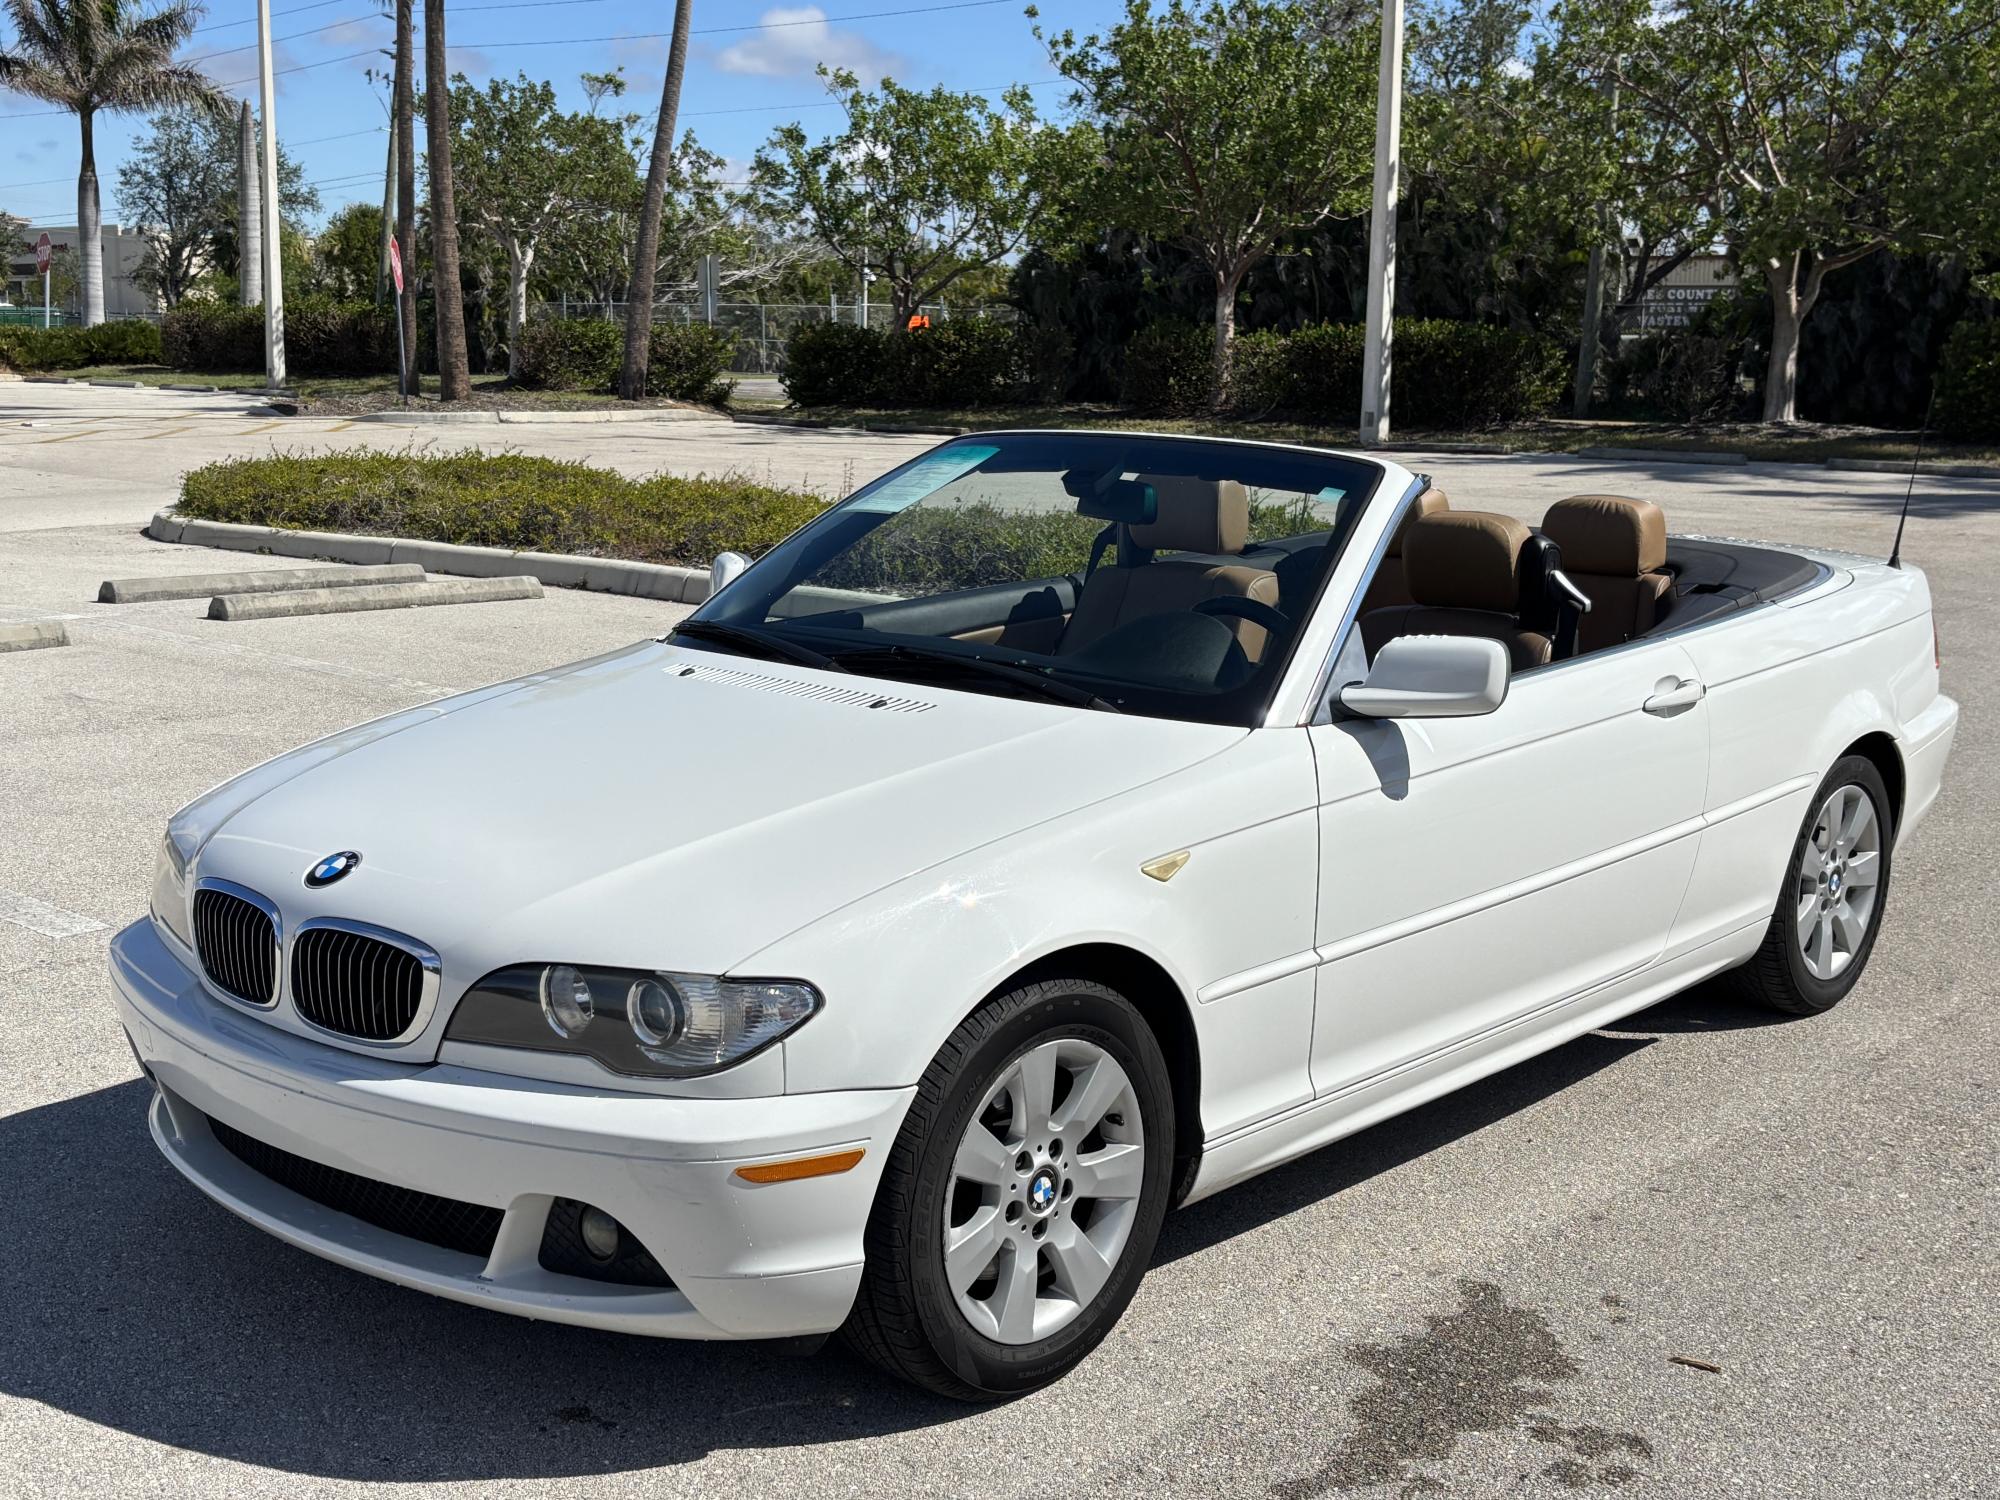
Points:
[(1683, 695)]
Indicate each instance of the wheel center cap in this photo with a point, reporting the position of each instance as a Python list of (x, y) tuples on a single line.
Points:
[(1043, 1189), (1833, 882)]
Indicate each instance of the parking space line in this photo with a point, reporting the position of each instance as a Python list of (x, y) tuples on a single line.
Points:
[(149, 437), (341, 426), (265, 427), (70, 437), (39, 916)]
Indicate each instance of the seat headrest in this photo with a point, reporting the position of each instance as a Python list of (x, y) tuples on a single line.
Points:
[(1465, 559), (1195, 515), (1429, 503), (1608, 534)]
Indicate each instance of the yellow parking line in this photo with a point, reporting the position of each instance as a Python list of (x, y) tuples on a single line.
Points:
[(266, 427), (71, 436), (189, 427), (341, 426)]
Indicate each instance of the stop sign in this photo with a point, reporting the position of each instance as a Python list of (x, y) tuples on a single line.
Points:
[(395, 265), (43, 254)]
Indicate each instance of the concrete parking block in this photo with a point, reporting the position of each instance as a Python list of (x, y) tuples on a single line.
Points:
[(372, 596), (33, 637), (207, 585)]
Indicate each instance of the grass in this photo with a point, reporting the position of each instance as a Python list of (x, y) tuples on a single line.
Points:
[(341, 394), (1806, 443)]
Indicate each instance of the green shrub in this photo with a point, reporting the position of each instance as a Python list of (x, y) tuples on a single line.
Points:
[(1445, 374), (500, 500), (201, 334), (685, 361), (1169, 367), (1683, 375), (128, 341), (1968, 381), (957, 362), (833, 364), (31, 350), (570, 354), (1260, 372), (324, 337), (1047, 356)]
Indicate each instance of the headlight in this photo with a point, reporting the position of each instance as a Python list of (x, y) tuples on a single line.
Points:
[(170, 906), (647, 1025)]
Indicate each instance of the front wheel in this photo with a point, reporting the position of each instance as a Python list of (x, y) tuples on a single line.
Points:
[(1023, 1197), (1836, 888)]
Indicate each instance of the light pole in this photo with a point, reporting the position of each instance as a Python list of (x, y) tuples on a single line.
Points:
[(1376, 361), (274, 295)]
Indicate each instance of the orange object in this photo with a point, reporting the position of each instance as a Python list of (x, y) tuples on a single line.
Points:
[(918, 320), (800, 1167)]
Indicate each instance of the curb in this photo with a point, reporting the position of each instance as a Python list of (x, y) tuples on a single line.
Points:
[(1667, 455), (602, 575), (1897, 466), (399, 416), (917, 429), (32, 637)]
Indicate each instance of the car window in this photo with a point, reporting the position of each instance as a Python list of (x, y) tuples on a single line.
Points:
[(1157, 575)]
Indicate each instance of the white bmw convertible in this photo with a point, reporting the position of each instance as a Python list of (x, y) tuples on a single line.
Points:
[(1063, 827)]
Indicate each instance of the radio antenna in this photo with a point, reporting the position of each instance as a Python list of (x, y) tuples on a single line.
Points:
[(1896, 552)]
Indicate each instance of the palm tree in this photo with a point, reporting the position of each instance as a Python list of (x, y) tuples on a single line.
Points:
[(95, 57), (646, 255)]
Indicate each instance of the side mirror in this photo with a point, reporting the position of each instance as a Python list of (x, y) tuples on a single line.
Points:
[(727, 567), (1431, 677)]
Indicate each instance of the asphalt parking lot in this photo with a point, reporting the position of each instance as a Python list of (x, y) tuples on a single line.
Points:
[(1483, 1297)]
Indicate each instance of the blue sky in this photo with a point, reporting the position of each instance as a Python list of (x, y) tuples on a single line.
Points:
[(750, 69)]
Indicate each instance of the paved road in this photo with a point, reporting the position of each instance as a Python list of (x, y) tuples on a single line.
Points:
[(1480, 1298)]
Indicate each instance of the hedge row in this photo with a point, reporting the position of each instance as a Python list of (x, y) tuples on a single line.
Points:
[(1446, 374), (31, 350), (322, 337), (1968, 383), (500, 500), (958, 362), (685, 361)]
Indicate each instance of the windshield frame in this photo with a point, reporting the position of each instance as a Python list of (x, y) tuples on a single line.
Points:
[(793, 561)]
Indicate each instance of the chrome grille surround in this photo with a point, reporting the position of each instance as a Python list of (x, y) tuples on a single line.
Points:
[(239, 939), (362, 983)]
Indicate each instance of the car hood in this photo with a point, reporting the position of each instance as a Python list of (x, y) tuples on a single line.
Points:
[(667, 807)]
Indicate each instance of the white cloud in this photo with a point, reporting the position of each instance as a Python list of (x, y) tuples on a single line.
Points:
[(800, 39)]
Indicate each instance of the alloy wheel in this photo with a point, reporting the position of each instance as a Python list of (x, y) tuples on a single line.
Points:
[(1838, 881)]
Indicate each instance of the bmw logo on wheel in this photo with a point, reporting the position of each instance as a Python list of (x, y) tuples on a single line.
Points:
[(332, 868)]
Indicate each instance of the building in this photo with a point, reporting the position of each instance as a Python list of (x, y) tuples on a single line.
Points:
[(124, 253)]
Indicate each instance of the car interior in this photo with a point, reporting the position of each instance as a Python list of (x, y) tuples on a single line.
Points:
[(1178, 593)]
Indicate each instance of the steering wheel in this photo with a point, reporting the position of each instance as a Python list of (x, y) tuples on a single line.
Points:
[(1256, 611)]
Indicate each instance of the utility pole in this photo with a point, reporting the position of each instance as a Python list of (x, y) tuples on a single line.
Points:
[(274, 292), (1376, 360)]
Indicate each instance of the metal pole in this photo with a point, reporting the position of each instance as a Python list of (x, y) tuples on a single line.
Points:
[(402, 365), (274, 293), (1376, 361), (45, 298)]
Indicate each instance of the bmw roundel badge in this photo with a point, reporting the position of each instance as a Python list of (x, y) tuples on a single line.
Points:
[(333, 867)]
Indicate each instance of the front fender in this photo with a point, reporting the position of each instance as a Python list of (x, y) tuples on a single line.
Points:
[(903, 967)]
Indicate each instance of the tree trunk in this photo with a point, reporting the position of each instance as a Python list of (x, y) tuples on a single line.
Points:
[(454, 380), (249, 214), (89, 229), (1226, 284), (1788, 312), (403, 108), (520, 261), (646, 254)]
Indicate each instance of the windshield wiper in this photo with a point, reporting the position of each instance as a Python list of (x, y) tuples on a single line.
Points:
[(760, 642), (977, 666)]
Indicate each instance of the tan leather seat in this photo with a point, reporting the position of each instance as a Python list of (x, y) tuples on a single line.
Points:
[(1615, 550), (1201, 516), (1389, 587), (1464, 569)]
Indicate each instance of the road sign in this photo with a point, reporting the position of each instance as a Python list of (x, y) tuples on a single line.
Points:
[(44, 252), (395, 265)]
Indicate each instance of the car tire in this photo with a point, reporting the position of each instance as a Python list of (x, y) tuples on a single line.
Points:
[(1819, 939), (1059, 1215)]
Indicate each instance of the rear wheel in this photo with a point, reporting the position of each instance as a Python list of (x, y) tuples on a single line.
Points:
[(1836, 888), (1023, 1197)]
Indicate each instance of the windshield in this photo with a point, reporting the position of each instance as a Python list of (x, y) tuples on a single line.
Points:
[(1165, 576)]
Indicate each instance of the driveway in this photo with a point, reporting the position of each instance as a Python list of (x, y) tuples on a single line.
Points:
[(1482, 1297)]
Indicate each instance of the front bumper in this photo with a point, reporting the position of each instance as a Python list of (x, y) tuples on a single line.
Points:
[(747, 1260)]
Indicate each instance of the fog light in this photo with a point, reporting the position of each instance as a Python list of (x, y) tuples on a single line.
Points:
[(599, 1231), (566, 1000)]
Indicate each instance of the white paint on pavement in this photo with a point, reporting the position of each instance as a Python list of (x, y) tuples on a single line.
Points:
[(39, 916)]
